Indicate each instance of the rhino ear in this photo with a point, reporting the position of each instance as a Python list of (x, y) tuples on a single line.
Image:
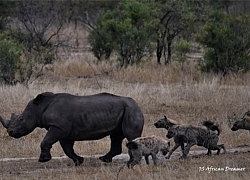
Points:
[(40, 97)]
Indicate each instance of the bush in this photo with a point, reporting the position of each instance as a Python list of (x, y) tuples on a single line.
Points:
[(182, 48), (226, 39), (127, 30), (10, 53)]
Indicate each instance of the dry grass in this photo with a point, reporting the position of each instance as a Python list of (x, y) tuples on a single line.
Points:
[(184, 95)]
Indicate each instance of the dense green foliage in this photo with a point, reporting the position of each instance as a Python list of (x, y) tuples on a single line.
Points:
[(220, 26), (128, 30), (131, 31), (10, 53), (226, 39)]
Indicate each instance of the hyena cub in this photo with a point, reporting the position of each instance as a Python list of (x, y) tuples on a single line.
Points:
[(146, 146)]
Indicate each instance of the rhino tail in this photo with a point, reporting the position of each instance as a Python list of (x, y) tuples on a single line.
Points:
[(132, 145), (213, 127)]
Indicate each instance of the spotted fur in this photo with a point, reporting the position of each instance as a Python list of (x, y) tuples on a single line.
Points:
[(146, 146), (193, 135), (243, 123), (180, 139)]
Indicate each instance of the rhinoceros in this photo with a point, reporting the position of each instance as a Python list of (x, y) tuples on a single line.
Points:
[(69, 118)]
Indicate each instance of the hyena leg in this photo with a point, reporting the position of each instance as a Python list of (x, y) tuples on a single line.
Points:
[(146, 159), (209, 149), (209, 152), (216, 147), (219, 147), (223, 147), (137, 156), (131, 158), (172, 150), (187, 147), (154, 157), (182, 148)]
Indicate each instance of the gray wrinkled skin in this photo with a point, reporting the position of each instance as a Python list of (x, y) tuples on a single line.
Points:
[(69, 118)]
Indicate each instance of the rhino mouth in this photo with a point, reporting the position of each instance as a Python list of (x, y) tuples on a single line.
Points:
[(13, 134)]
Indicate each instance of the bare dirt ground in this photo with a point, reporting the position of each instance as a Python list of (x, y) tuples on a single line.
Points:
[(63, 167)]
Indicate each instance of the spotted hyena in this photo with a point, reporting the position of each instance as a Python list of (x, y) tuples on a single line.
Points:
[(243, 123), (193, 135), (180, 139), (166, 122), (146, 146)]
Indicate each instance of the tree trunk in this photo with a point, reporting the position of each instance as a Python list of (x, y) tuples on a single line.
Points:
[(169, 57), (159, 51)]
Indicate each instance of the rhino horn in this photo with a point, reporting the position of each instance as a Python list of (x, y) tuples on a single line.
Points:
[(4, 122)]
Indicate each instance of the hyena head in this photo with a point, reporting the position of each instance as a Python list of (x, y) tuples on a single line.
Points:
[(165, 123), (132, 145), (244, 123), (172, 131), (165, 148), (162, 123)]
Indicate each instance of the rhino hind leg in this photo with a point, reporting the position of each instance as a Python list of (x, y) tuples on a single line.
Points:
[(44, 157), (116, 147), (67, 146)]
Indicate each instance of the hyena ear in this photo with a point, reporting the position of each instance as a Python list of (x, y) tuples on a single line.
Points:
[(126, 141), (165, 118), (244, 121)]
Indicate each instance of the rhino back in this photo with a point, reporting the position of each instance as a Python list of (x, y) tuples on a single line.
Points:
[(87, 117)]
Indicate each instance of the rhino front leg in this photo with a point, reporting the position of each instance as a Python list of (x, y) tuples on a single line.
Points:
[(50, 138), (67, 146)]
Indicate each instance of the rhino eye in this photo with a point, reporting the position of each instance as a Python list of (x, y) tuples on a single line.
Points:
[(21, 119)]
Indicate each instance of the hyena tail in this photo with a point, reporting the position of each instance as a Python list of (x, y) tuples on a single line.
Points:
[(210, 125), (132, 145)]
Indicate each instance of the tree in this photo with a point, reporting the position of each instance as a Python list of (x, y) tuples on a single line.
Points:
[(226, 39), (38, 26), (175, 18), (87, 12), (127, 30)]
